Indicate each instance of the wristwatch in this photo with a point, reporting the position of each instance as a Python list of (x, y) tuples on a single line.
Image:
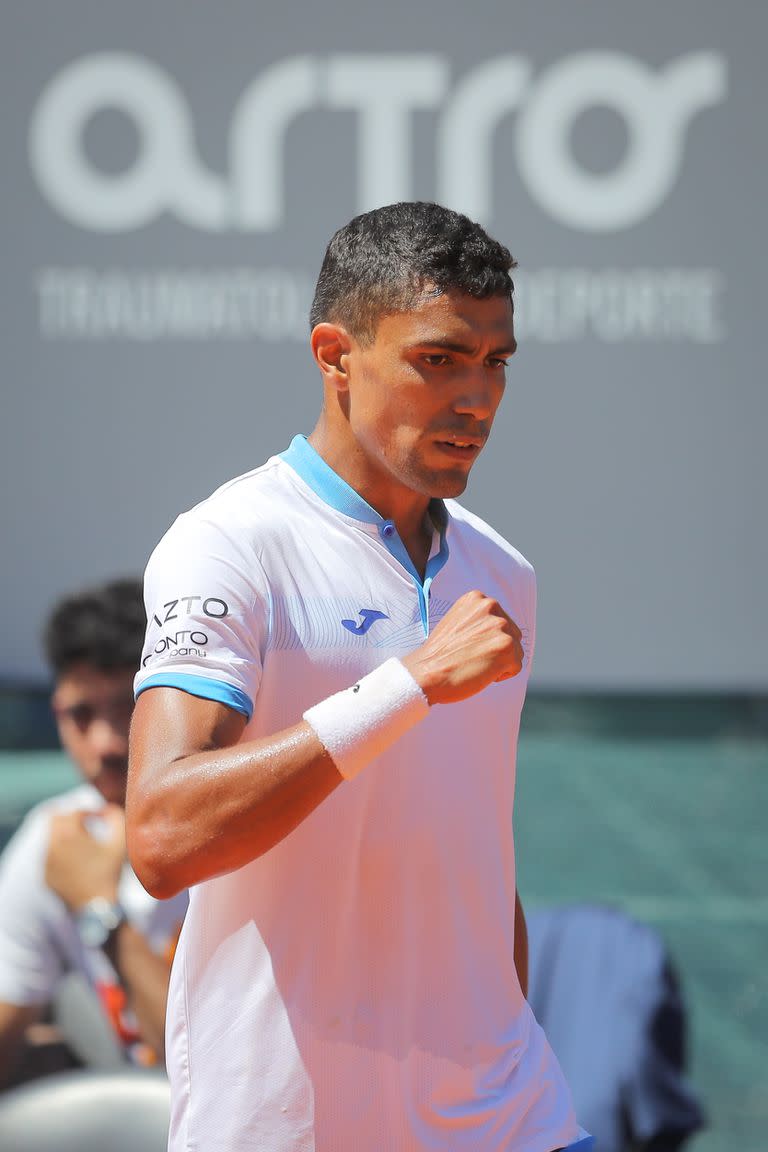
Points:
[(97, 920)]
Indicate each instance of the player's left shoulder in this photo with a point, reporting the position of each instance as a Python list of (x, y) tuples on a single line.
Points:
[(485, 541)]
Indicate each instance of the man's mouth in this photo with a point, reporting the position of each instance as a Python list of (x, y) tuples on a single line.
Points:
[(460, 446)]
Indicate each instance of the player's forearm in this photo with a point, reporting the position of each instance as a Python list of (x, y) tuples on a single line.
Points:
[(215, 811), (144, 976)]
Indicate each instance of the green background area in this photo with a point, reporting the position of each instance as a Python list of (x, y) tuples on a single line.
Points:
[(674, 832), (656, 806)]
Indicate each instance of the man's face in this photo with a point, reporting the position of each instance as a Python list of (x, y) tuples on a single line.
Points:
[(424, 393), (93, 711)]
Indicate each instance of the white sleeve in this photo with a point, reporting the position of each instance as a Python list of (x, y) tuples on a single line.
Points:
[(207, 604), (32, 960)]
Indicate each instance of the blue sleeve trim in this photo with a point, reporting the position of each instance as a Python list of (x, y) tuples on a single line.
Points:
[(203, 687)]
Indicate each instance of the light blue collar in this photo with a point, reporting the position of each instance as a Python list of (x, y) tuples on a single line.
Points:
[(334, 491), (330, 487)]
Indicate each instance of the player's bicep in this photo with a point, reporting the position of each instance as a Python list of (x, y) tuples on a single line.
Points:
[(170, 725)]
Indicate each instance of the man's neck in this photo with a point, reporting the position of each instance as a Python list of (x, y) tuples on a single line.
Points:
[(408, 510)]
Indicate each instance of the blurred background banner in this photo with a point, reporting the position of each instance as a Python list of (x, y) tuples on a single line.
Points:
[(171, 175)]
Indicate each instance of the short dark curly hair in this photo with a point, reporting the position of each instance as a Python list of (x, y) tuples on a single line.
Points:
[(102, 627), (381, 261)]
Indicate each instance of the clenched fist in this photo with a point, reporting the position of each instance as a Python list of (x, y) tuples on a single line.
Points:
[(475, 644), (86, 852)]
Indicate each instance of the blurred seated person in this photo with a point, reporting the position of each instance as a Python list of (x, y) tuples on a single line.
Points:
[(69, 900)]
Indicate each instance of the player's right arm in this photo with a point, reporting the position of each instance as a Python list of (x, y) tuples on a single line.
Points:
[(199, 802), (202, 802)]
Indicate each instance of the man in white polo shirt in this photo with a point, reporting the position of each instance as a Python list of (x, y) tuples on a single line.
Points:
[(324, 742), (70, 905)]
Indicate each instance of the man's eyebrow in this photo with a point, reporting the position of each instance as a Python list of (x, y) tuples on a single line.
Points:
[(507, 349)]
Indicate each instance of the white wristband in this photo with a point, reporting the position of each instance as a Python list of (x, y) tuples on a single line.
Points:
[(358, 724)]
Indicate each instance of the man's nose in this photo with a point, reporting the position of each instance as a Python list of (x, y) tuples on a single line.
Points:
[(478, 398)]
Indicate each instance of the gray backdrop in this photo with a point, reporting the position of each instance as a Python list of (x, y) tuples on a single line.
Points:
[(171, 174)]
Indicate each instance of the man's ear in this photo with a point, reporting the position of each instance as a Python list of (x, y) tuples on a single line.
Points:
[(331, 345)]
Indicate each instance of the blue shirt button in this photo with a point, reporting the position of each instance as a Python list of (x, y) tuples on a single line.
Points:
[(387, 529)]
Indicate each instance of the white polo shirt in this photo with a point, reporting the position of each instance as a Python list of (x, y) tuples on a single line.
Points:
[(353, 988)]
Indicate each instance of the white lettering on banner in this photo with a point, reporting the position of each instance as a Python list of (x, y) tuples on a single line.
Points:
[(656, 110), (559, 305), (271, 304), (385, 90), (166, 173), (552, 305), (258, 129)]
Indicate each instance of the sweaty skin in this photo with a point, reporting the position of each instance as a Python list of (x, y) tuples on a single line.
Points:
[(404, 418)]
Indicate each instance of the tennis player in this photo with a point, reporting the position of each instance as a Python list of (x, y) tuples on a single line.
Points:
[(323, 747)]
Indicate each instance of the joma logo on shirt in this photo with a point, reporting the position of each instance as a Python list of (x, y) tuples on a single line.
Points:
[(369, 617)]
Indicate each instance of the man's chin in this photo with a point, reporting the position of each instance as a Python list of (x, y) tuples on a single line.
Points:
[(447, 485)]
